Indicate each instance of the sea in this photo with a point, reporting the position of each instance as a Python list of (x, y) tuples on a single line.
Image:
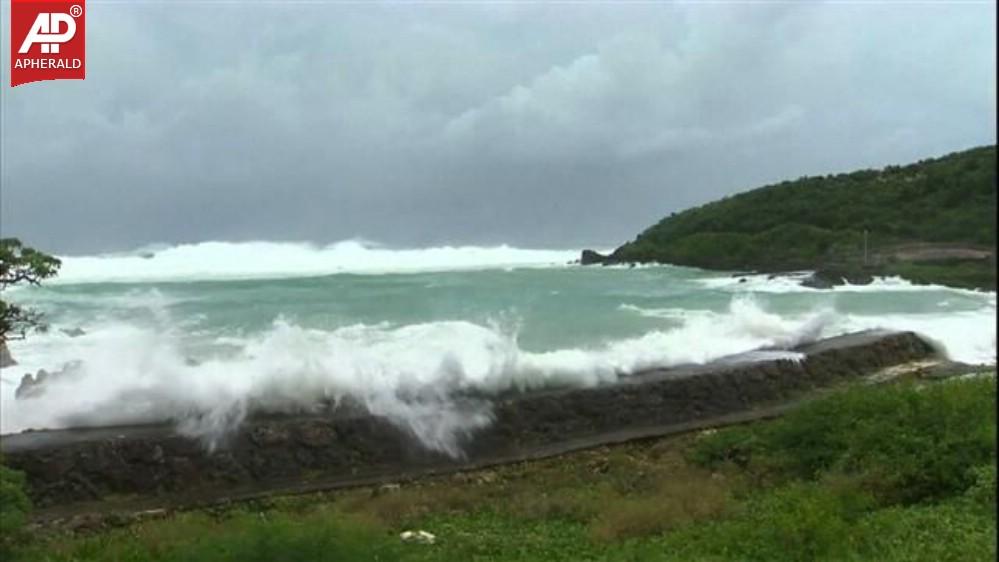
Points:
[(204, 335)]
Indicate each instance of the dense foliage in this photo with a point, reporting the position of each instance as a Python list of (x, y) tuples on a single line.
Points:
[(14, 508), (886, 473), (814, 221), (940, 439), (20, 264)]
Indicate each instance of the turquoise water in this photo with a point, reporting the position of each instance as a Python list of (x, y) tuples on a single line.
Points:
[(197, 337), (549, 308)]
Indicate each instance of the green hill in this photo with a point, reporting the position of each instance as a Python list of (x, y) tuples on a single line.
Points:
[(933, 212)]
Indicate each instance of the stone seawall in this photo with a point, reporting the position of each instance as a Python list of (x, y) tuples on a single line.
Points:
[(298, 453)]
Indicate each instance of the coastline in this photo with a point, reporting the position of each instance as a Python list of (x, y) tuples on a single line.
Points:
[(959, 272), (308, 453)]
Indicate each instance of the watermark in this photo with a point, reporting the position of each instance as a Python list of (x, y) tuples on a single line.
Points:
[(47, 40)]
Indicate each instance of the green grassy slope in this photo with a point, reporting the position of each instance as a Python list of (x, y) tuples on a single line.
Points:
[(899, 472), (812, 222)]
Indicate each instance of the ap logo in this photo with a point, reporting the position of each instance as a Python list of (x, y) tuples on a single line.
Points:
[(47, 40), (45, 31)]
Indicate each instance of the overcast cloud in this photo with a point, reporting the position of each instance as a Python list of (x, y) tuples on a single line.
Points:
[(535, 125)]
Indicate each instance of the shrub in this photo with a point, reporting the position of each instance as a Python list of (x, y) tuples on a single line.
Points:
[(735, 445), (942, 532), (983, 489), (800, 521), (905, 443), (14, 508)]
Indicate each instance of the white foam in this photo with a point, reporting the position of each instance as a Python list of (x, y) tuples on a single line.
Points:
[(791, 283), (245, 260), (966, 336), (136, 371), (670, 313), (409, 374)]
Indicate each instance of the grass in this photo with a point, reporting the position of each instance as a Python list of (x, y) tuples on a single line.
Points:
[(902, 472), (902, 444), (14, 509)]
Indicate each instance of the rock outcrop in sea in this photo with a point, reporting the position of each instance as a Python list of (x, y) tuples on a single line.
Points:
[(6, 360)]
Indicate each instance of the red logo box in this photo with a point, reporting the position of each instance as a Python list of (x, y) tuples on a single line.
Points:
[(47, 40)]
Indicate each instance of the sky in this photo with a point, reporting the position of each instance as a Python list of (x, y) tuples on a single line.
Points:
[(556, 125)]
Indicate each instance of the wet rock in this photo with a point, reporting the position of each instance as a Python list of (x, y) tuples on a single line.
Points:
[(34, 386), (830, 277), (31, 386), (268, 436), (74, 332), (316, 435), (6, 360), (816, 281), (183, 469), (591, 257)]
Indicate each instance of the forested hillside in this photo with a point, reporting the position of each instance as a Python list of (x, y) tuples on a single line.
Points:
[(820, 221)]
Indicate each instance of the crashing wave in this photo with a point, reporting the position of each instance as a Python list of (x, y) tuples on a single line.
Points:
[(262, 260)]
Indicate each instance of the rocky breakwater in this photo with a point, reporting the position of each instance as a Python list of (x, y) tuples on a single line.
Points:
[(301, 453)]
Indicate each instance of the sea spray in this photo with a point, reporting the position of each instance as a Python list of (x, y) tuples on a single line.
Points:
[(262, 260), (431, 379), (428, 352)]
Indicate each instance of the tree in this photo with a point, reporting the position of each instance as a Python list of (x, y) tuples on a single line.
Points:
[(21, 264)]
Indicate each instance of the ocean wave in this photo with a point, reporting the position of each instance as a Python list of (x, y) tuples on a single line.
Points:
[(414, 375), (966, 336), (791, 283), (261, 260), (670, 313)]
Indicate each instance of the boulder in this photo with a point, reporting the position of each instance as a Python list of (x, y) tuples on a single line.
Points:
[(818, 281), (5, 358), (591, 257), (33, 386), (831, 277)]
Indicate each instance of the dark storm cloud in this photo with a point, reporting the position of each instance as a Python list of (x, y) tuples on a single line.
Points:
[(411, 124)]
